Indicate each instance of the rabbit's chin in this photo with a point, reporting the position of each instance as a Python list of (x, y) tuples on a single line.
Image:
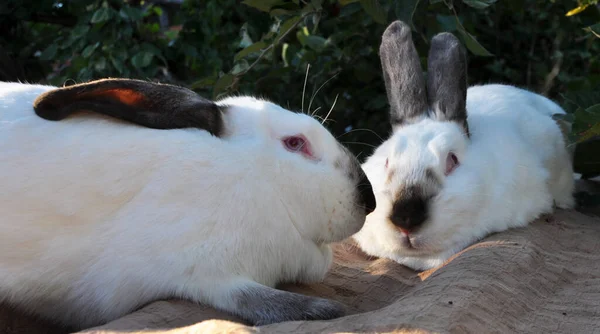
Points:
[(419, 251), (415, 252)]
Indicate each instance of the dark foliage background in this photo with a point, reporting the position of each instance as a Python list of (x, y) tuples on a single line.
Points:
[(310, 55)]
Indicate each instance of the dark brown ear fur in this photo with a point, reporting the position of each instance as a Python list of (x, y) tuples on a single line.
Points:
[(402, 74), (149, 104), (447, 80)]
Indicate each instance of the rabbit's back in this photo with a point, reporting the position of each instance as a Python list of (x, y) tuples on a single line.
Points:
[(93, 211), (521, 121), (513, 111)]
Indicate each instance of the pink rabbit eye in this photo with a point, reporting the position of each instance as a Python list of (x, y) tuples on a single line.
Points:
[(298, 143), (294, 143), (451, 163)]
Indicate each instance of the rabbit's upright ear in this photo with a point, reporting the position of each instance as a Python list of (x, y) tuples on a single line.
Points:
[(153, 105), (447, 80), (402, 74)]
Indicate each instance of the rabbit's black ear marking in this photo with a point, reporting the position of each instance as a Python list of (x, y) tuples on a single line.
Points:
[(149, 104), (402, 74), (447, 80)]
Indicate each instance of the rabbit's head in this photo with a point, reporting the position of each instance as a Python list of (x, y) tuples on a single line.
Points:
[(300, 169), (430, 135), (321, 184), (430, 121)]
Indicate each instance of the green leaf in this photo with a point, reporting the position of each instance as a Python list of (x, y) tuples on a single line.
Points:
[(142, 59), (591, 133), (575, 100), (152, 49), (87, 52), (479, 4), (373, 8), (589, 115), (350, 10), (263, 5), (317, 4), (587, 123), (130, 13), (301, 35), (157, 10), (204, 82), (256, 47), (118, 64), (240, 67), (285, 26), (594, 29), (222, 84), (49, 52), (281, 12), (189, 50), (447, 22), (246, 40), (100, 65), (577, 10), (80, 30), (101, 15), (595, 110), (284, 49), (316, 43), (405, 9), (472, 43)]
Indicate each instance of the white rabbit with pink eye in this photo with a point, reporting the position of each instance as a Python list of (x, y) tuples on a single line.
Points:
[(119, 192), (461, 163)]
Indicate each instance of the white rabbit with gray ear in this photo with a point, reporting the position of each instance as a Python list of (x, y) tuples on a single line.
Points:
[(460, 164), (151, 191)]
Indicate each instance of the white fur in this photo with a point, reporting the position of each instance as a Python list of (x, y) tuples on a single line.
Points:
[(99, 216), (514, 167)]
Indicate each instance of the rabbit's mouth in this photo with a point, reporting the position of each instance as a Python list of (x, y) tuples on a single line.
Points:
[(406, 241), (416, 244)]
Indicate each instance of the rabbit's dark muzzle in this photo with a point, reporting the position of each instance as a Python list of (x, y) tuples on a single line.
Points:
[(410, 209)]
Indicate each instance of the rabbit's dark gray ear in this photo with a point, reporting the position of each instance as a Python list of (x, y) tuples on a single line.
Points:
[(402, 74), (149, 104), (447, 80)]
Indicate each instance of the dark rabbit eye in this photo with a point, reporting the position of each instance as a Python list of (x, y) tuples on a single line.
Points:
[(387, 161)]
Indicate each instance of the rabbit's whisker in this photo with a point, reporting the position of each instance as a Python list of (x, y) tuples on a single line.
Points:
[(368, 130), (318, 117), (317, 92), (304, 89), (357, 142), (330, 110)]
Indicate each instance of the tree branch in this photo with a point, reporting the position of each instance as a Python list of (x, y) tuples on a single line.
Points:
[(274, 44)]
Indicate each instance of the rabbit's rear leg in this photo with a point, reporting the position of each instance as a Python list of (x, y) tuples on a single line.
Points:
[(563, 182), (262, 305)]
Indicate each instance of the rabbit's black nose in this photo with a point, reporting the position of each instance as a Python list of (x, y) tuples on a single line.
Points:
[(410, 211), (367, 197)]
